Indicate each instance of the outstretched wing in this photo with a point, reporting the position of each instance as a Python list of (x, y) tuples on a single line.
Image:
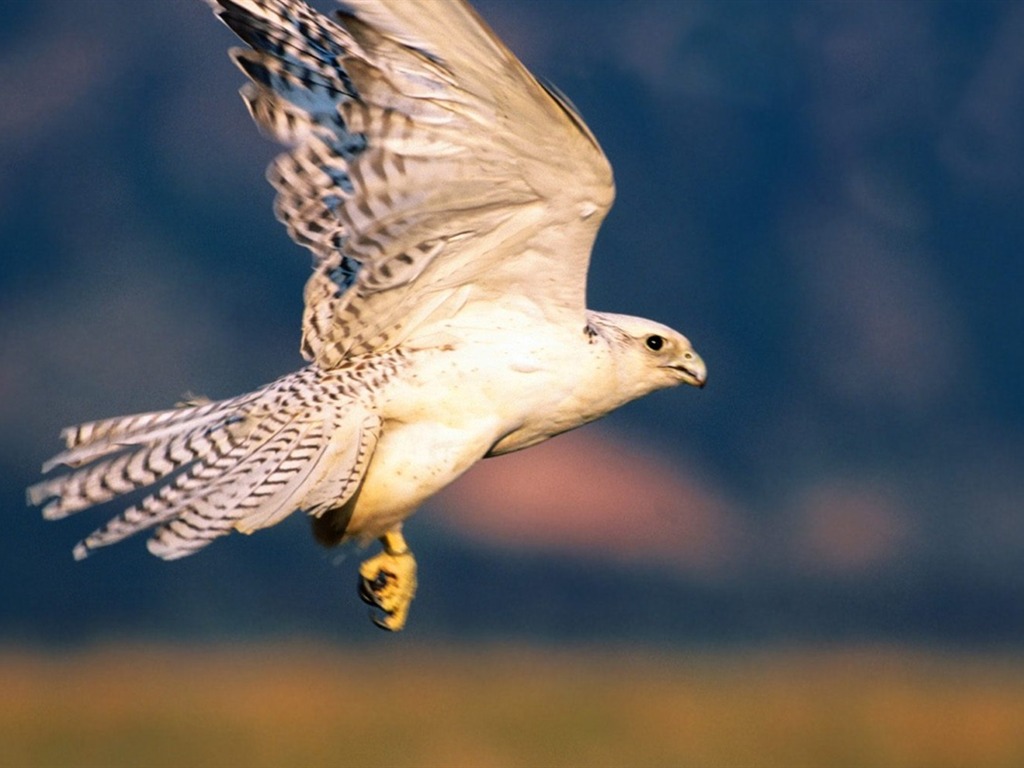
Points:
[(428, 168)]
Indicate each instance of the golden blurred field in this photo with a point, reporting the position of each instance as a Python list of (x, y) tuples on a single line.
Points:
[(405, 705)]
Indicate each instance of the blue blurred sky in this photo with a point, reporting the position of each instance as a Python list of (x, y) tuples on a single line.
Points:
[(827, 197)]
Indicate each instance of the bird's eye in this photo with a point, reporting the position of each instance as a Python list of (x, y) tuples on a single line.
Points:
[(655, 342)]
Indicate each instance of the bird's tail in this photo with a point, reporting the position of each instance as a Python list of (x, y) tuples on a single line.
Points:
[(244, 463)]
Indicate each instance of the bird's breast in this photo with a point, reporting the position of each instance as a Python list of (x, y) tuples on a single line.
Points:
[(453, 405)]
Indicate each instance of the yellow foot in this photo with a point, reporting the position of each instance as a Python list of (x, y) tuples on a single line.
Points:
[(388, 582)]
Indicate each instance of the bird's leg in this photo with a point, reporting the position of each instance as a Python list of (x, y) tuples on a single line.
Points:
[(388, 581)]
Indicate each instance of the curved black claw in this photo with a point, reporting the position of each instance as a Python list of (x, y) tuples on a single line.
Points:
[(382, 619), (366, 594), (369, 593), (370, 589)]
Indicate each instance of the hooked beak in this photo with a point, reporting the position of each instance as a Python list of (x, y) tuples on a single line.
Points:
[(692, 371)]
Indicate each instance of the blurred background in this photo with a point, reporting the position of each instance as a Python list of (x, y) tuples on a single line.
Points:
[(826, 197)]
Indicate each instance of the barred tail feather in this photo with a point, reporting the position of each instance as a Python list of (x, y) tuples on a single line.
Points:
[(268, 481), (244, 464), (147, 448), (87, 442)]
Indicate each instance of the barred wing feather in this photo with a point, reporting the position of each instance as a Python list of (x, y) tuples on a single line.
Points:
[(418, 179)]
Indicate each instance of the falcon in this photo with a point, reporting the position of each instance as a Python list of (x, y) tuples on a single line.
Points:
[(450, 201)]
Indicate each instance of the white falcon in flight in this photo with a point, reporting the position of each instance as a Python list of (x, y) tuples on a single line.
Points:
[(450, 201)]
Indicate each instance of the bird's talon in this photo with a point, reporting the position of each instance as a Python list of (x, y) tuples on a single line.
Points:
[(366, 594), (388, 584), (383, 621)]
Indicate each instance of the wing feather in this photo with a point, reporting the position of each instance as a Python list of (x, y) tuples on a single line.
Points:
[(425, 158)]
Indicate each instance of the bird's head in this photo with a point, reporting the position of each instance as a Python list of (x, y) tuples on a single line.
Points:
[(651, 354)]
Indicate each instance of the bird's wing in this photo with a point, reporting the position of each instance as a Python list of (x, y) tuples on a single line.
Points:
[(428, 168)]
